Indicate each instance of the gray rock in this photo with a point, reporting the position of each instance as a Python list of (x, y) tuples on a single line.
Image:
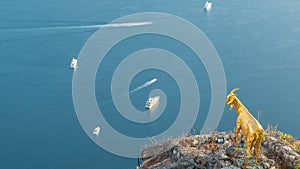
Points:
[(231, 167), (239, 162), (271, 162), (266, 165)]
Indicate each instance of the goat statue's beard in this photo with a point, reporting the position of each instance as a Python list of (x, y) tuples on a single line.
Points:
[(231, 106)]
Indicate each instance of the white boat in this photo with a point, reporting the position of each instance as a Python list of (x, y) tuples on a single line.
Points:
[(153, 81), (73, 64), (207, 6), (96, 131), (152, 101)]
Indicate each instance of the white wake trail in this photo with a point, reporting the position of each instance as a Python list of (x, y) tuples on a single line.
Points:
[(110, 25), (129, 24), (144, 85)]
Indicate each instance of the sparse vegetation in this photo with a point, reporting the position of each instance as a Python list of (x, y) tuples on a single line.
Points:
[(288, 139), (271, 130), (298, 164)]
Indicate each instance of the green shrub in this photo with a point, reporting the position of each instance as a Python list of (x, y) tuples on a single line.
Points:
[(298, 164)]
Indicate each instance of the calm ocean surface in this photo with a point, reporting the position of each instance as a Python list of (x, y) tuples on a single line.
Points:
[(257, 41)]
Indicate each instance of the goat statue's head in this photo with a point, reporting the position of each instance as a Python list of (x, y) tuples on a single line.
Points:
[(231, 97)]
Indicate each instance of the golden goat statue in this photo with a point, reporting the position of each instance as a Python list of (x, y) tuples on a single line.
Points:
[(253, 132)]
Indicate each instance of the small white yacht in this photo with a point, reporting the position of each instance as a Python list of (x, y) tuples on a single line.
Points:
[(152, 101), (73, 64), (207, 6), (96, 131)]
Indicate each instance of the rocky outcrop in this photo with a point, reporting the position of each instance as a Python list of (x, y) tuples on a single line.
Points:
[(215, 151), (281, 153)]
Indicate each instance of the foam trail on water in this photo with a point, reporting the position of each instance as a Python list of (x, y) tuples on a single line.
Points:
[(129, 24), (110, 25), (144, 85)]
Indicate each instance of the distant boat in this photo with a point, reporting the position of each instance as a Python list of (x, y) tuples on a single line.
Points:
[(207, 6), (96, 131), (73, 64), (152, 101), (152, 81)]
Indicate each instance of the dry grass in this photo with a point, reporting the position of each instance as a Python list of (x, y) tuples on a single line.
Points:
[(272, 130)]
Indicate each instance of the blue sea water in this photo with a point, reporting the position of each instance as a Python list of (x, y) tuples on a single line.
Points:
[(257, 41)]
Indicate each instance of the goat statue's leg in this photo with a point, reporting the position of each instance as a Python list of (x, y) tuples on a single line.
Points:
[(259, 140), (238, 129), (250, 141), (236, 148)]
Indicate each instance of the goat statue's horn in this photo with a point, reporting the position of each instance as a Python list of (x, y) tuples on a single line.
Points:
[(232, 91)]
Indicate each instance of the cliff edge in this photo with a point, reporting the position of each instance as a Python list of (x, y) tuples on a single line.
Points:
[(216, 151)]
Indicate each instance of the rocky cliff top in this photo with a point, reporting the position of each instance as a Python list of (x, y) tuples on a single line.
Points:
[(216, 151)]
